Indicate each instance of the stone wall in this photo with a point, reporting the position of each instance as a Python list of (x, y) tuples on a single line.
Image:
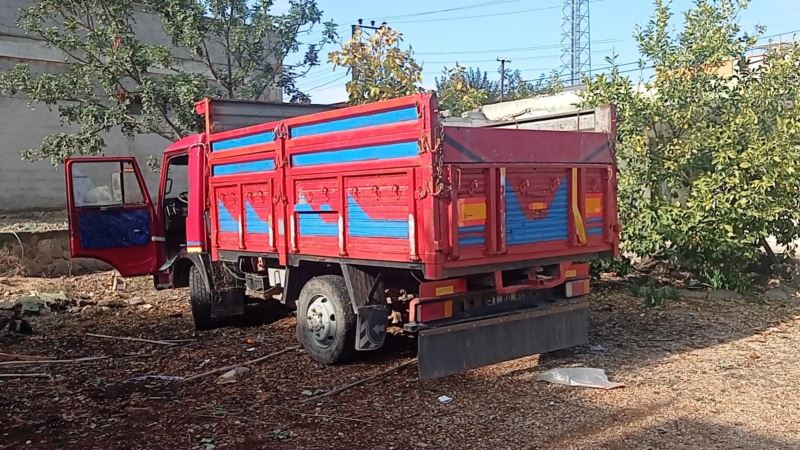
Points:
[(46, 254)]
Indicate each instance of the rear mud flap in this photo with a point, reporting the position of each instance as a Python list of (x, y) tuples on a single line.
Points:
[(455, 348), (371, 327)]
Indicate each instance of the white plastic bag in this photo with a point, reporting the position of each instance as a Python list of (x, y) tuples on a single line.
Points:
[(579, 376)]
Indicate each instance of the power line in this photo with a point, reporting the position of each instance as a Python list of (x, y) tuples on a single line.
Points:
[(326, 83), (523, 58), (480, 16), (513, 49), (458, 8)]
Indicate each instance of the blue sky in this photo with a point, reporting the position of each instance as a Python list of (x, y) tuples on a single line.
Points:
[(476, 36)]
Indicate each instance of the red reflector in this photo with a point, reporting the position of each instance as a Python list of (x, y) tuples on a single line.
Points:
[(430, 311)]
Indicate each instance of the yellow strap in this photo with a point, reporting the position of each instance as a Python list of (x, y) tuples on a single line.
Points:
[(576, 210)]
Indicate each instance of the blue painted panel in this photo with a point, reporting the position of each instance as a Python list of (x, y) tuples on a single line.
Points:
[(594, 220), (472, 235), (359, 224), (472, 229), (310, 222), (523, 230), (371, 153), (113, 229), (226, 222), (246, 141), (262, 165), (353, 123), (254, 223), (594, 231), (466, 241)]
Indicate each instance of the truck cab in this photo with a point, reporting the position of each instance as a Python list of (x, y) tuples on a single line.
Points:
[(114, 218)]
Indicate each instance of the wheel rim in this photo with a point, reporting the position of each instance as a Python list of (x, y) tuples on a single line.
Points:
[(321, 320)]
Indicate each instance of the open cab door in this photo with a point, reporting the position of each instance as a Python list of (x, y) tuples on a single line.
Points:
[(111, 216)]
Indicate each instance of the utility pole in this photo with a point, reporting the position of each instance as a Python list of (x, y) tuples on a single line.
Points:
[(503, 77), (361, 25), (358, 27)]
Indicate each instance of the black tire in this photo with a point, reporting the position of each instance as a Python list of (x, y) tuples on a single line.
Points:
[(201, 300), (340, 343)]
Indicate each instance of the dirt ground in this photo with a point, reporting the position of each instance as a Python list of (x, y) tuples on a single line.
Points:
[(708, 371)]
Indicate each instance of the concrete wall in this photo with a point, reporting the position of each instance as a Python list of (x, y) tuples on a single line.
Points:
[(26, 186)]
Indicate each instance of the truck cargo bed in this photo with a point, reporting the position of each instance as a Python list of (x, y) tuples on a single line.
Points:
[(387, 184)]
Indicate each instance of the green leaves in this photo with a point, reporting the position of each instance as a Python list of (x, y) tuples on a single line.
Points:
[(380, 69), (116, 79), (456, 94), (709, 147)]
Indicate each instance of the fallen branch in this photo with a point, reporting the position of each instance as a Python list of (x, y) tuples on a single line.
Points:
[(52, 361), (125, 338), (15, 357), (247, 363), (25, 375), (341, 389)]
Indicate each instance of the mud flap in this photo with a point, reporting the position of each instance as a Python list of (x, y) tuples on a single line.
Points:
[(228, 292), (450, 349), (366, 292), (371, 327)]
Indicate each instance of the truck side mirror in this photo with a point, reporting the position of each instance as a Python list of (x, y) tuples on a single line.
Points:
[(168, 186)]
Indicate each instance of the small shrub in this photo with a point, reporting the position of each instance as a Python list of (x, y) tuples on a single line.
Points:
[(731, 281), (653, 295)]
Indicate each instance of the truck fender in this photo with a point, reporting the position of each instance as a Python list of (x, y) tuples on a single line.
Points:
[(367, 295), (203, 262)]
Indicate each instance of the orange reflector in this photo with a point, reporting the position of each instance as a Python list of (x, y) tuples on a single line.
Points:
[(445, 290)]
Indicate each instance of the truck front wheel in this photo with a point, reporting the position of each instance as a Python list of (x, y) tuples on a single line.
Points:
[(201, 300), (326, 323)]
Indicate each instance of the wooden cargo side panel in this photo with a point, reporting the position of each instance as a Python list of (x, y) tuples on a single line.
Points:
[(377, 216), (258, 225), (314, 224), (596, 205), (469, 213), (537, 206), (225, 216)]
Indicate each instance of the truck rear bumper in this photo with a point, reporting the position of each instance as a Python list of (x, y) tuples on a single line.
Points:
[(454, 348)]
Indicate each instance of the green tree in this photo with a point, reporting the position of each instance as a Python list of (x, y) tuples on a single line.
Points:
[(518, 88), (115, 79), (380, 69), (457, 94), (709, 161)]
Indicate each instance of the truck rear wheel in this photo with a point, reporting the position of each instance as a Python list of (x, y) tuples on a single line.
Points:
[(201, 298), (326, 323)]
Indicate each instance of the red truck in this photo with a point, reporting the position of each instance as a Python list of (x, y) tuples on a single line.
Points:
[(363, 219)]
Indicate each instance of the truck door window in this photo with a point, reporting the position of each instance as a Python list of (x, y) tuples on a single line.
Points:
[(177, 177), (105, 184)]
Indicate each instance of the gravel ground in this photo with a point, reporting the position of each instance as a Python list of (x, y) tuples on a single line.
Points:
[(711, 372)]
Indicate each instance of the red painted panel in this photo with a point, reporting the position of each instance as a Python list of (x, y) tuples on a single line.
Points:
[(226, 216), (377, 223), (258, 217), (315, 217)]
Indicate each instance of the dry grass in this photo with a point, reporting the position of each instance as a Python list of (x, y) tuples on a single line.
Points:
[(10, 264)]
